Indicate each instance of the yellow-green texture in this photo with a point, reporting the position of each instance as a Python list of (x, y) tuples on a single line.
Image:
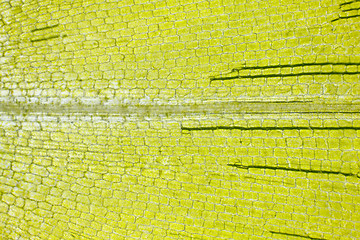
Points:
[(179, 119)]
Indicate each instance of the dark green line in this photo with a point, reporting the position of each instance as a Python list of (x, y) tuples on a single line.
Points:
[(300, 74), (286, 75), (289, 169), (43, 28), (297, 65), (265, 128), (44, 39), (350, 9), (339, 18), (223, 78), (286, 66), (297, 235), (347, 3)]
